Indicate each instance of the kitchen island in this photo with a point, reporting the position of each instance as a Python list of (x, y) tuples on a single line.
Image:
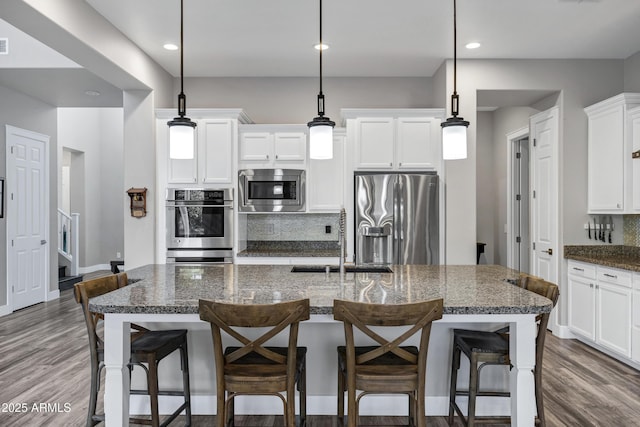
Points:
[(474, 296)]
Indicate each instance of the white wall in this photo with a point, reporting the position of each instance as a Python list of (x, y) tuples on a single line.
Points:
[(486, 188), (95, 134), (27, 113), (632, 73), (294, 99)]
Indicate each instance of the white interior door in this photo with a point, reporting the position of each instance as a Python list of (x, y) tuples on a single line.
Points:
[(544, 194), (27, 214)]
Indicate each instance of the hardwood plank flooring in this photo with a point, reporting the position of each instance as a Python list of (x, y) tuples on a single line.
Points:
[(44, 361)]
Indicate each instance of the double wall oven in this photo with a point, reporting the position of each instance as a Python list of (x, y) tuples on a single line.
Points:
[(199, 225)]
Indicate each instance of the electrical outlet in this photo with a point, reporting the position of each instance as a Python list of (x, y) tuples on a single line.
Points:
[(118, 255), (327, 229)]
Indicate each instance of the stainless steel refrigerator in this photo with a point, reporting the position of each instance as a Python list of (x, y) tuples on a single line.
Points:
[(396, 218)]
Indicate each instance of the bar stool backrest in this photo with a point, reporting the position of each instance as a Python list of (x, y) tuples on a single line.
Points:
[(362, 315)]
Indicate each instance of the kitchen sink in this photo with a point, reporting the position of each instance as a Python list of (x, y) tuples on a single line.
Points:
[(336, 269)]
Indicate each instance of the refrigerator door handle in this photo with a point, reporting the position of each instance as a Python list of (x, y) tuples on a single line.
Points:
[(397, 222)]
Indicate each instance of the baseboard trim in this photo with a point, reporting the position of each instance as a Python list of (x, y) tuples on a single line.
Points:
[(92, 268), (378, 405), (5, 309), (563, 332), (51, 295)]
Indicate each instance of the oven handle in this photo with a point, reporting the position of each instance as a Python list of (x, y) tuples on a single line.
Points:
[(200, 206)]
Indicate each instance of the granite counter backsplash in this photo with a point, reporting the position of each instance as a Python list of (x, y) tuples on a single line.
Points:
[(290, 248), (616, 256)]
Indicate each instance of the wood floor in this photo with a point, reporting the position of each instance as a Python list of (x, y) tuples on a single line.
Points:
[(44, 373)]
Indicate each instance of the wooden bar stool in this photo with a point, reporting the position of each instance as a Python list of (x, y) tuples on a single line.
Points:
[(492, 348), (148, 348), (386, 367), (253, 368)]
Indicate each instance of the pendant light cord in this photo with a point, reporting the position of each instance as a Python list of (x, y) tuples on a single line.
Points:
[(455, 48), (320, 94), (321, 46), (182, 99)]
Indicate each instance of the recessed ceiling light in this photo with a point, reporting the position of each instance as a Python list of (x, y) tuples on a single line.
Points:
[(472, 45), (92, 93), (170, 46), (322, 46)]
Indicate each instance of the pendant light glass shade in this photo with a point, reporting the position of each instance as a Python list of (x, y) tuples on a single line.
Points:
[(182, 138), (321, 127), (182, 131), (454, 140), (454, 129), (321, 140)]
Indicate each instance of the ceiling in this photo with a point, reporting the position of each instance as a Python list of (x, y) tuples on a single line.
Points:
[(366, 37), (369, 37)]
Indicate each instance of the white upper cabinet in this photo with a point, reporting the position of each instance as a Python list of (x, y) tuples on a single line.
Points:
[(326, 178), (215, 157), (634, 119), (374, 143), (418, 142), (609, 155), (276, 146), (404, 139), (216, 139)]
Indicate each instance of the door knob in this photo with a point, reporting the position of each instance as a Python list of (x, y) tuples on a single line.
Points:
[(43, 242), (549, 251)]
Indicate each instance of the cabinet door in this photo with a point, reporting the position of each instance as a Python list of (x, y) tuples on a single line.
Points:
[(180, 171), (216, 151), (256, 148), (326, 179), (635, 163), (614, 318), (582, 306), (290, 147), (635, 329), (417, 144), (374, 143), (606, 160)]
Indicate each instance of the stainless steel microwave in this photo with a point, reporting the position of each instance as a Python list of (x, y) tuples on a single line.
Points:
[(271, 190)]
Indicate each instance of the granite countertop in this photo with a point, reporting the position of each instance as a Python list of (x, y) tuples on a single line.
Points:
[(616, 256), (170, 288), (289, 248)]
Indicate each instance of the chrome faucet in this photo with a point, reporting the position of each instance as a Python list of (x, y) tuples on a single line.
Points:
[(342, 239)]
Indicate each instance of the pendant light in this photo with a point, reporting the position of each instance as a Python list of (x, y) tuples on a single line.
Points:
[(321, 127), (454, 129), (182, 131)]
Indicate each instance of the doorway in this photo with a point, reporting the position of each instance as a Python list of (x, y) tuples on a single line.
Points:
[(27, 164), (518, 206)]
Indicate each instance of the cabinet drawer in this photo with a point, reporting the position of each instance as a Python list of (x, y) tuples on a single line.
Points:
[(614, 276), (581, 269)]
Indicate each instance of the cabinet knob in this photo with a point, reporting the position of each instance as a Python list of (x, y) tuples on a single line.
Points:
[(390, 163), (276, 157)]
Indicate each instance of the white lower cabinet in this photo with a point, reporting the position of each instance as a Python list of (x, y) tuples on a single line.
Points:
[(582, 299), (600, 305), (635, 314), (614, 318)]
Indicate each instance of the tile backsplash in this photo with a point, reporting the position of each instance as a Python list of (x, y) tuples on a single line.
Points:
[(632, 230), (291, 227)]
